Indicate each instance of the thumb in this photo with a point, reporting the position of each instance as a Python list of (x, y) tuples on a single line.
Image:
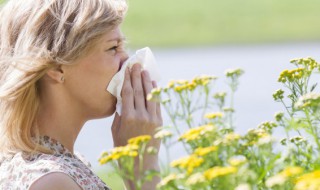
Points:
[(116, 124)]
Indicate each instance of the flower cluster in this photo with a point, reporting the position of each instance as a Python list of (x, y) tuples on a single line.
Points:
[(182, 85), (311, 100), (291, 75), (218, 171), (130, 150), (139, 140), (308, 63), (119, 152), (283, 176), (220, 158), (197, 132), (234, 73), (310, 181), (278, 95), (189, 163), (214, 115)]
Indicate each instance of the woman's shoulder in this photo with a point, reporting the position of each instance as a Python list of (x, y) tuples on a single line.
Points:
[(24, 169), (53, 181), (27, 169)]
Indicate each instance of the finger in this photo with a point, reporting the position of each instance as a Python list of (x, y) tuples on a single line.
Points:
[(127, 93), (158, 107), (138, 94), (147, 86)]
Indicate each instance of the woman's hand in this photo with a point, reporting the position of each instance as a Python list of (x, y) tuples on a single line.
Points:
[(139, 117)]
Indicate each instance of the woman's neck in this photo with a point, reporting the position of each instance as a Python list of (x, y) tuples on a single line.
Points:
[(60, 120)]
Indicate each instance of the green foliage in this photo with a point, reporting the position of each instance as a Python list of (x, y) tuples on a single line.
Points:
[(187, 22), (111, 178)]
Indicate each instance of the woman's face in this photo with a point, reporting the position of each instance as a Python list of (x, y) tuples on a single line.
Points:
[(88, 78)]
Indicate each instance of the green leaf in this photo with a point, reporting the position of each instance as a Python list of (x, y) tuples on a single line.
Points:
[(149, 174), (313, 87)]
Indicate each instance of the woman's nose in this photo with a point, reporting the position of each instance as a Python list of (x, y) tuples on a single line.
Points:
[(124, 57)]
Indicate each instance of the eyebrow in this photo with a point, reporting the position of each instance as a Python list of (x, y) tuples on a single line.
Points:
[(118, 39)]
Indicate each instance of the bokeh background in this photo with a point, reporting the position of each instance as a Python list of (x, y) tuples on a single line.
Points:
[(191, 38), (177, 23)]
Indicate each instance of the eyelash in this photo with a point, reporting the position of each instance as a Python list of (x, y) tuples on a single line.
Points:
[(114, 48)]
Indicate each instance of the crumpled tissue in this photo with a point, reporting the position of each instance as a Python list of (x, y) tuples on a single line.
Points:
[(142, 56)]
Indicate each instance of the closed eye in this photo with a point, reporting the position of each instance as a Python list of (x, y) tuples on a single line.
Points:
[(113, 48)]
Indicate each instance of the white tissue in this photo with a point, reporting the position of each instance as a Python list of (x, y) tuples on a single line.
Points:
[(146, 59)]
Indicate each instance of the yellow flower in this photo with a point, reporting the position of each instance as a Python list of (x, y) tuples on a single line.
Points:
[(162, 134), (104, 158), (156, 91), (291, 171), (182, 82), (231, 137), (168, 179), (237, 160), (196, 178), (214, 115), (191, 86), (190, 162), (309, 181), (282, 176), (119, 152), (218, 171), (203, 80), (291, 75), (171, 84), (179, 88), (308, 62), (140, 139), (196, 133), (204, 151)]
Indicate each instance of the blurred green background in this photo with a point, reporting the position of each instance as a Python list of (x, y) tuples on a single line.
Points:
[(176, 23), (173, 23)]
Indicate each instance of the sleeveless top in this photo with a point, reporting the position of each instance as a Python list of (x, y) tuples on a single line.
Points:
[(20, 171)]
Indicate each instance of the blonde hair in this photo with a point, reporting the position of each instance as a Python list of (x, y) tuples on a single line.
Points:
[(36, 35)]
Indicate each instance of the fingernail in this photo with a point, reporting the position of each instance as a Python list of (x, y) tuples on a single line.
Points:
[(137, 66)]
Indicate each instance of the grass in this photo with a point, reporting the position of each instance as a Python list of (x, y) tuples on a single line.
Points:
[(187, 22), (113, 180)]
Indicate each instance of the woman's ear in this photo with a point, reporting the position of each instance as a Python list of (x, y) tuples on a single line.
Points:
[(56, 74)]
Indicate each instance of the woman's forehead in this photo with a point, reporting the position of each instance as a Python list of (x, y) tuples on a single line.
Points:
[(114, 35)]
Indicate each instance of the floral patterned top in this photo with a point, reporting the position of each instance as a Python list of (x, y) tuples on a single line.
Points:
[(20, 171)]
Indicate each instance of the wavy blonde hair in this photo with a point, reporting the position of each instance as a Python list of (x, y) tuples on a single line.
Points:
[(37, 35)]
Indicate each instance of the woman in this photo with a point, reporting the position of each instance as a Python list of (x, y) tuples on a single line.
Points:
[(57, 58)]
